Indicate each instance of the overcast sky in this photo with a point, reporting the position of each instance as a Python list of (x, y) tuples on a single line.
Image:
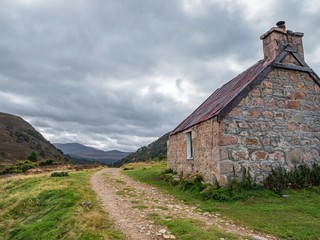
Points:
[(117, 74)]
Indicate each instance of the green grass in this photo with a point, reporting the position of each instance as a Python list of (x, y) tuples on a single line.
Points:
[(189, 229), (126, 192), (297, 217), (42, 207), (162, 207), (141, 207)]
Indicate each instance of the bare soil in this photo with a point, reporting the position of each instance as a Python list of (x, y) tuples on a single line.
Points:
[(130, 203)]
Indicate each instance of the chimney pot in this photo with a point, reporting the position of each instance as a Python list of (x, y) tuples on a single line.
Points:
[(280, 23)]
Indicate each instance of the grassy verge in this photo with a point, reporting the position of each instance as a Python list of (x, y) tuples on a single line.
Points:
[(44, 207), (190, 229), (295, 217)]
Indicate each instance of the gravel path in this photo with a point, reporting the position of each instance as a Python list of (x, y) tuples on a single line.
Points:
[(130, 204)]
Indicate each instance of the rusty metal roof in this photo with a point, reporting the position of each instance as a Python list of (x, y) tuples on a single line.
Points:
[(221, 97), (231, 93)]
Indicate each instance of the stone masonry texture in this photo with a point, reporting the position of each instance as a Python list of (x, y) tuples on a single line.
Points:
[(206, 151), (276, 124)]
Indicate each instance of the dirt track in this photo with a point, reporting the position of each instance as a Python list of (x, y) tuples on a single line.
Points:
[(130, 203)]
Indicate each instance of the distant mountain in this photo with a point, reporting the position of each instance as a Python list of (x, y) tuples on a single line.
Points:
[(82, 153), (18, 139), (155, 150)]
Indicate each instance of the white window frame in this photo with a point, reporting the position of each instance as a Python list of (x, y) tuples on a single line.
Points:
[(189, 145)]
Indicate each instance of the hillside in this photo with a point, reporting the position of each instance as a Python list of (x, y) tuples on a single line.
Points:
[(18, 139), (84, 153), (156, 149)]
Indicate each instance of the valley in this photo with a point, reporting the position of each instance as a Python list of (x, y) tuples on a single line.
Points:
[(81, 153)]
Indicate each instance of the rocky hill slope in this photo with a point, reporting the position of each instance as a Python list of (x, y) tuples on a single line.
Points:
[(155, 150), (84, 153), (18, 139)]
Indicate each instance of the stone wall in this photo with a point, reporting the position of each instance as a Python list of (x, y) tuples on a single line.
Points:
[(206, 157), (277, 124)]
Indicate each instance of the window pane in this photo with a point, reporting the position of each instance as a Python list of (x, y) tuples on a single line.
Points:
[(189, 146)]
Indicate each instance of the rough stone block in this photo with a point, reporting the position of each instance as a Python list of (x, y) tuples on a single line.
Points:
[(254, 113), (268, 114), (291, 126), (235, 112), (270, 103), (278, 114), (300, 86), (257, 102), (240, 154), (251, 141), (292, 104), (293, 76), (227, 140), (295, 156), (267, 91), (259, 155), (243, 125), (277, 155), (298, 95), (255, 92), (280, 103), (227, 166)]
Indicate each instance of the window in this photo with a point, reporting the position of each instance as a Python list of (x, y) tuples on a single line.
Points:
[(189, 146)]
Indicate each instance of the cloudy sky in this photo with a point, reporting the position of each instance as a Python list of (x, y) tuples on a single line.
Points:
[(117, 74)]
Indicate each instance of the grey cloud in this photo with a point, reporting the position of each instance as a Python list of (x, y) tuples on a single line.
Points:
[(119, 74)]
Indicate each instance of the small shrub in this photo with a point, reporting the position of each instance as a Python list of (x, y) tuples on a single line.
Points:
[(25, 165), (167, 171), (46, 162), (59, 174), (277, 180), (301, 176), (9, 169), (20, 167), (22, 136), (127, 168), (247, 182), (33, 157), (192, 184), (315, 175)]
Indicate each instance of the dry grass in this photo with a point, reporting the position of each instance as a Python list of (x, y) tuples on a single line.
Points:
[(42, 207)]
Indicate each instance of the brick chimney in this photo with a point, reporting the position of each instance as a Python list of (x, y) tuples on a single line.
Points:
[(277, 38)]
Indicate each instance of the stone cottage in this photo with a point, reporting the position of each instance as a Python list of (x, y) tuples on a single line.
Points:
[(267, 116)]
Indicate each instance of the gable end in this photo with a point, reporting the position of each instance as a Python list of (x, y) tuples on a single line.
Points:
[(276, 63)]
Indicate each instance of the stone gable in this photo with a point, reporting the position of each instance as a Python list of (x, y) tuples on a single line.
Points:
[(267, 116), (277, 124)]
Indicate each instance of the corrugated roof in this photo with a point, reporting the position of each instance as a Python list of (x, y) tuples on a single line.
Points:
[(221, 97), (222, 100)]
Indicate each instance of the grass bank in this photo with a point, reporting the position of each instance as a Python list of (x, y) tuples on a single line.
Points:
[(44, 207), (295, 217)]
